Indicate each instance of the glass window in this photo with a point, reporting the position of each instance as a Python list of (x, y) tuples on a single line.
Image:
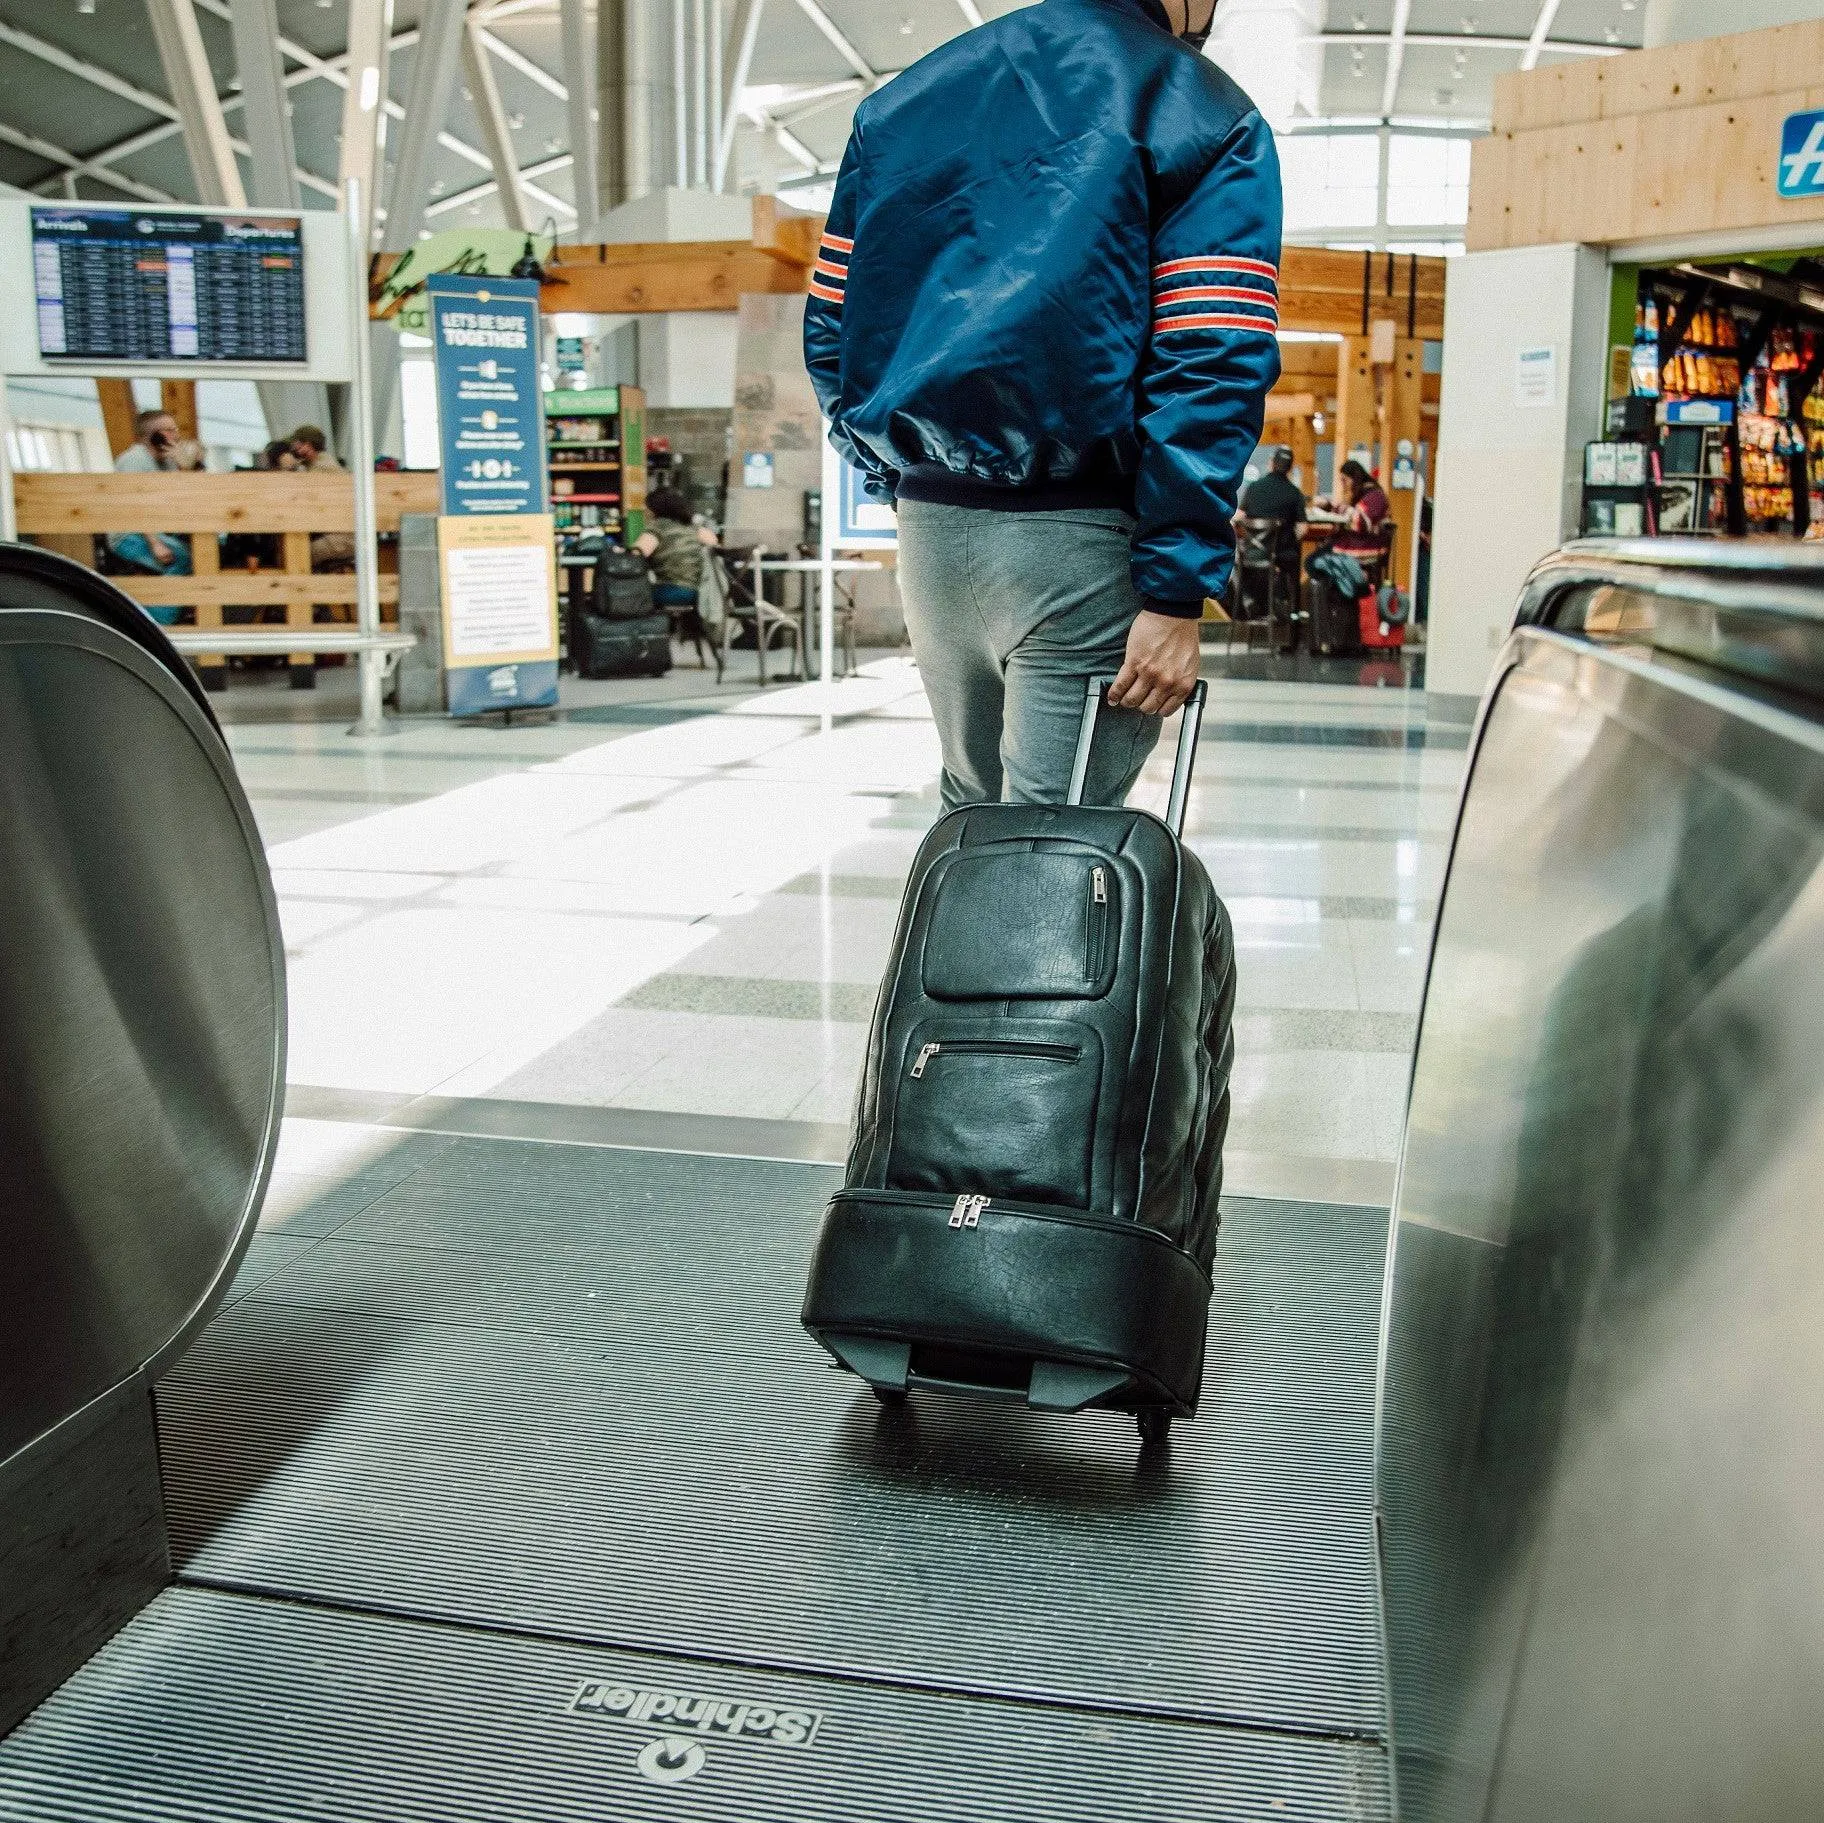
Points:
[(1427, 180), (1332, 180)]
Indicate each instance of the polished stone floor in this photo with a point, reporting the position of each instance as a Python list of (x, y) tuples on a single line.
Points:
[(659, 918)]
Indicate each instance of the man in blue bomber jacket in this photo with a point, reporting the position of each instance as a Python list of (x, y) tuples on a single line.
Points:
[(1043, 322)]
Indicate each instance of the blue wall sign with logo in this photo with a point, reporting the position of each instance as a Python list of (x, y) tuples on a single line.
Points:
[(484, 333), (1802, 155)]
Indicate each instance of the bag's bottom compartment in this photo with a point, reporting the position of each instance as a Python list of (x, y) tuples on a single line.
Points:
[(968, 1295)]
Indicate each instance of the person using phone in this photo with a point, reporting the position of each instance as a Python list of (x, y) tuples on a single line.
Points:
[(154, 449)]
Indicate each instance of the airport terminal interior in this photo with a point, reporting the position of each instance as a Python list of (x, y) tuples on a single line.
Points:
[(537, 1282)]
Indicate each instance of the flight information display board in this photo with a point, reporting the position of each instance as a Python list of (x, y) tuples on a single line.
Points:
[(126, 285)]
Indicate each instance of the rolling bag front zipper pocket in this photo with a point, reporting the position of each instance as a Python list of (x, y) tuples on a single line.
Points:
[(992, 1047), (1006, 1109)]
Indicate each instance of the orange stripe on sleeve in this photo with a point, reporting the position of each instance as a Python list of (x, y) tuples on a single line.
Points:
[(1259, 325), (1259, 268)]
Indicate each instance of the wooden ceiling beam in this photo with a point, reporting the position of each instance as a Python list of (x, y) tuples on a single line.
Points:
[(644, 277)]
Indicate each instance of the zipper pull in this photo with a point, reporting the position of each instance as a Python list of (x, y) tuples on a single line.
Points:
[(1098, 884), (967, 1211), (924, 1057)]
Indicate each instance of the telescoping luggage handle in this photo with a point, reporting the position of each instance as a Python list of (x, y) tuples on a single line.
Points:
[(1095, 692)]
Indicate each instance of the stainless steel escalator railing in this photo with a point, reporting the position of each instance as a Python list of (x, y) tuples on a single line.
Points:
[(142, 1042), (1599, 1477)]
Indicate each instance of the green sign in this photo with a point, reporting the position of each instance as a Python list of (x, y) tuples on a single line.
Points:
[(465, 252)]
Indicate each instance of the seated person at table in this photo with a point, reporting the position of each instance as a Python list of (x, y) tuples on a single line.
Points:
[(310, 451), (153, 450), (1276, 497), (673, 547), (1368, 513)]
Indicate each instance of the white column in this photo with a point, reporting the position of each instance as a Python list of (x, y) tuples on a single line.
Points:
[(636, 104), (743, 36), (9, 517), (717, 99), (266, 120), (1510, 470), (199, 108), (699, 95), (427, 113), (361, 463), (265, 104), (680, 124), (370, 25), (496, 135), (579, 27)]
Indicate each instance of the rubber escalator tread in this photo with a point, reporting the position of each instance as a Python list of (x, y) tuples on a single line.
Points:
[(232, 1709), (547, 1388), (536, 1407)]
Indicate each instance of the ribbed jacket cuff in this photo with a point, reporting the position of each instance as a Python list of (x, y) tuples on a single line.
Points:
[(1179, 610)]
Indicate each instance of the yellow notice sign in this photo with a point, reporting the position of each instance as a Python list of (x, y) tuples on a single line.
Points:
[(499, 611), (499, 588)]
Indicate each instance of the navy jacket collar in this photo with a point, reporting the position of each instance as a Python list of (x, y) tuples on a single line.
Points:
[(1149, 10)]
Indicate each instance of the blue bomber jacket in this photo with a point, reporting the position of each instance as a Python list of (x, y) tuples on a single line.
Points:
[(1050, 280)]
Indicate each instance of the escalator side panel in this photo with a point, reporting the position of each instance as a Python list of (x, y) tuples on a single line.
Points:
[(1602, 1359)]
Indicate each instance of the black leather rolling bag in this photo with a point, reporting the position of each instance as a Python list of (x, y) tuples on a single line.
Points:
[(1030, 1206), (620, 648)]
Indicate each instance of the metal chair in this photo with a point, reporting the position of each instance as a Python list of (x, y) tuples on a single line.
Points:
[(747, 605), (1265, 587), (842, 606)]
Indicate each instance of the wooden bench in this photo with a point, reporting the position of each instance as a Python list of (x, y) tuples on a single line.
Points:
[(67, 513)]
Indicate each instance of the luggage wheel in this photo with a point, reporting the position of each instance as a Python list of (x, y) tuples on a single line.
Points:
[(1155, 1427)]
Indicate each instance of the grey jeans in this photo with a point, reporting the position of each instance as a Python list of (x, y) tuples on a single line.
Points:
[(1009, 613)]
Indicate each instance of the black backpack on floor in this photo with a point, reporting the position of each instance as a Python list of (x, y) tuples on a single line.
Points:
[(1031, 1202), (623, 587)]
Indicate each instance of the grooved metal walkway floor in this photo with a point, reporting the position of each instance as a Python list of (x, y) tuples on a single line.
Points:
[(537, 1409)]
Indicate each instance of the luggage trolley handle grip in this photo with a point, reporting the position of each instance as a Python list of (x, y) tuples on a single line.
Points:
[(1095, 691)]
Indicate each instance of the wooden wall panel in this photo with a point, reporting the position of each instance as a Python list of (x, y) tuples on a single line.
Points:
[(1551, 97), (1656, 144), (68, 504), (117, 412), (178, 397), (1733, 68)]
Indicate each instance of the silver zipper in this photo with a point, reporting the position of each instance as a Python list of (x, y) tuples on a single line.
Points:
[(924, 1057), (967, 1212), (1098, 884)]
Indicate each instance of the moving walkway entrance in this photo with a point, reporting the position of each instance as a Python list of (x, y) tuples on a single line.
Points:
[(510, 1487)]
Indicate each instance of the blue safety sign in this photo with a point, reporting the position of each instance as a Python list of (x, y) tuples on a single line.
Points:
[(484, 333), (1802, 155)]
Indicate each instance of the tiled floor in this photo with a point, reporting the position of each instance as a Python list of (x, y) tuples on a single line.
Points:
[(673, 903)]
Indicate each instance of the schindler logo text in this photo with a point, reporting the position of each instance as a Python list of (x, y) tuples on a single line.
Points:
[(685, 1712)]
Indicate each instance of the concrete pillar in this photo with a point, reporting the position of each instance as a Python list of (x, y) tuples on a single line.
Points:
[(1356, 414), (1510, 452)]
